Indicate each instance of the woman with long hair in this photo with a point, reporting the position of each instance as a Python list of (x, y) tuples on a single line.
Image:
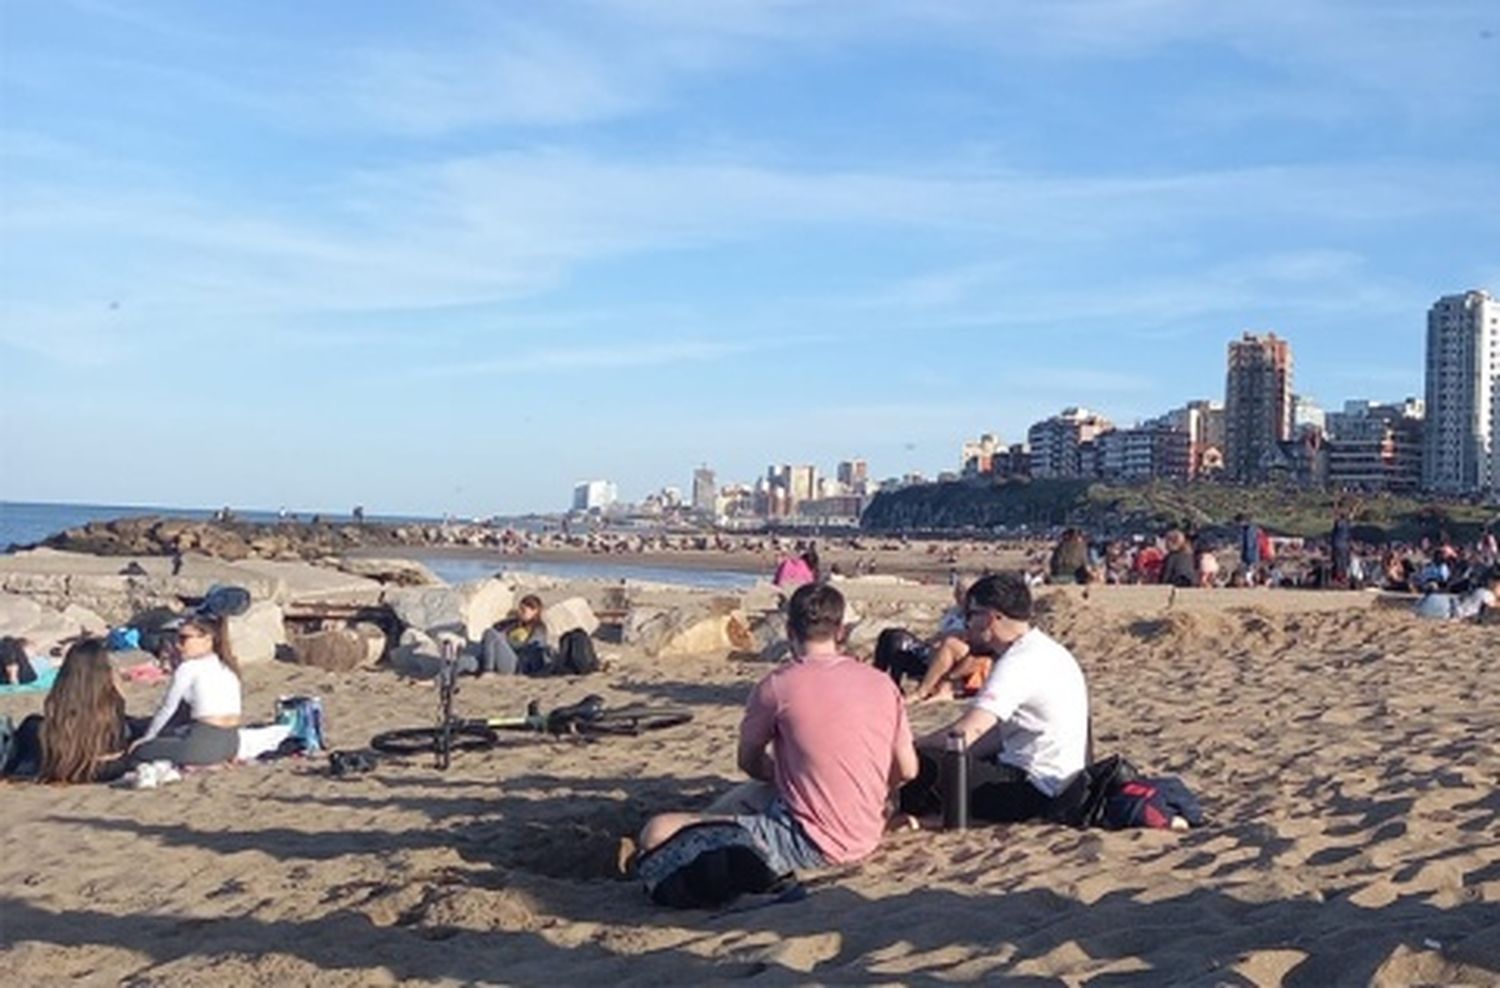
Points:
[(81, 734), (207, 682)]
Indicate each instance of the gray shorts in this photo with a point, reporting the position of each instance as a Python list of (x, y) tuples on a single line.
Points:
[(783, 841)]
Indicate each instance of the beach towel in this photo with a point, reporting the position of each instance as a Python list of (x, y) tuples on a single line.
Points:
[(43, 682)]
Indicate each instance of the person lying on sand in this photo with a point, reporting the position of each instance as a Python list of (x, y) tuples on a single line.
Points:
[(1027, 730), (826, 739)]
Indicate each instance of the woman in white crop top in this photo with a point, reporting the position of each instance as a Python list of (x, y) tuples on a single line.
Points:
[(207, 680)]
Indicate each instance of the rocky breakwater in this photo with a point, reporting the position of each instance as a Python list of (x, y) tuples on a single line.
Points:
[(232, 540)]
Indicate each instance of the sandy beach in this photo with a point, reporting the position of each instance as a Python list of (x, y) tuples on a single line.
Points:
[(1346, 758)]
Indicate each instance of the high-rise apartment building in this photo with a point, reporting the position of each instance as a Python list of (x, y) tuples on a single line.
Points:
[(854, 475), (705, 492), (1257, 405), (803, 484), (1460, 455)]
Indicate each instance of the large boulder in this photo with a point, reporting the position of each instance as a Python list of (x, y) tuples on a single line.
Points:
[(335, 650), (256, 634), (693, 630), (467, 609), (572, 613), (395, 572), (44, 627)]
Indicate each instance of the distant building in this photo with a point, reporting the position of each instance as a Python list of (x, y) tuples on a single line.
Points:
[(1057, 443), (1154, 450), (803, 485), (1460, 454), (1203, 422), (1376, 447), (735, 501), (1257, 406), (593, 495), (977, 457), (854, 475), (1012, 461), (705, 492), (1307, 414)]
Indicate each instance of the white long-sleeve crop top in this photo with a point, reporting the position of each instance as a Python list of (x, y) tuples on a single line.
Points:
[(210, 688)]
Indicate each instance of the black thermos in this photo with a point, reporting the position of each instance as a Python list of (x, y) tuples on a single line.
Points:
[(953, 782)]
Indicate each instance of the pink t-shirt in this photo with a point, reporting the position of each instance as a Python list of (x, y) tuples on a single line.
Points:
[(793, 572), (835, 725)]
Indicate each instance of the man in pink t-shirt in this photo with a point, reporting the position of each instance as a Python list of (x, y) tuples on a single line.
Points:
[(831, 734)]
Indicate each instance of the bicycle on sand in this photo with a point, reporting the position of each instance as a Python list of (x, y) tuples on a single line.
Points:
[(591, 716)]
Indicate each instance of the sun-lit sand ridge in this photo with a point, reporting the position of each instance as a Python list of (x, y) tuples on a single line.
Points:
[(1347, 759)]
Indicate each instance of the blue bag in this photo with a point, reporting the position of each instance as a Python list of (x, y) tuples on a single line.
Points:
[(304, 715)]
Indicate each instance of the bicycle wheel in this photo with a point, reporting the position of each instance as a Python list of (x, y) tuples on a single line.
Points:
[(634, 720), (421, 740)]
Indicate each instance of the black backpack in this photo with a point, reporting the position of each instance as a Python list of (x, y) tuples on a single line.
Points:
[(575, 655), (707, 865)]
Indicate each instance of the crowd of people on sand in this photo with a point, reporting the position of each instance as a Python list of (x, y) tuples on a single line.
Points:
[(1252, 557)]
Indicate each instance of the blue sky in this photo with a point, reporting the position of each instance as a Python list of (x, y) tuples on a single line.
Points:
[(455, 256)]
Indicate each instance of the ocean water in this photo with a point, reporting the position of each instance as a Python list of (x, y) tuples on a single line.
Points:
[(25, 523)]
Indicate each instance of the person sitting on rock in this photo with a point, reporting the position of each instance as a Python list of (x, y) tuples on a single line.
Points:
[(82, 732), (517, 646), (825, 737), (206, 684), (1027, 731)]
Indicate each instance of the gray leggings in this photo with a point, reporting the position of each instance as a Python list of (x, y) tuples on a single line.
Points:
[(497, 655), (200, 744)]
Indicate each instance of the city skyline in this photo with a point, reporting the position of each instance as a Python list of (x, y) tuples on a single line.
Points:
[(455, 259)]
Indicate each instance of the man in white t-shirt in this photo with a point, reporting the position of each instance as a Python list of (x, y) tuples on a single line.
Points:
[(1028, 729)]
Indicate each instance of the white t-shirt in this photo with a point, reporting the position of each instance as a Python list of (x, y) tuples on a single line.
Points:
[(210, 688), (1038, 692)]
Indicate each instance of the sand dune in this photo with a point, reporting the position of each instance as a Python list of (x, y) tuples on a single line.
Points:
[(1347, 759)]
